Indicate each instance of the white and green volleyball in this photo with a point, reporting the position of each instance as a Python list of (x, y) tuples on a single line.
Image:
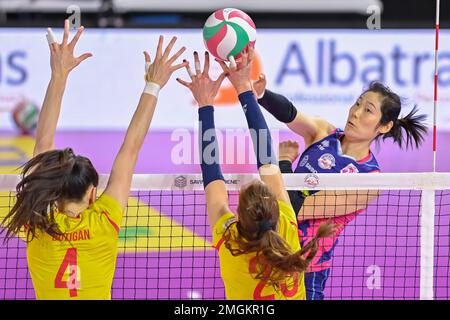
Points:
[(25, 116), (227, 32)]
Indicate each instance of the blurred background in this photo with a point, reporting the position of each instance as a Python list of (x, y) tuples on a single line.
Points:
[(192, 14), (321, 54)]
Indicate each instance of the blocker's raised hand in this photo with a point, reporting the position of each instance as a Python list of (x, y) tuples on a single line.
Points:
[(161, 69), (203, 88), (239, 76), (62, 59)]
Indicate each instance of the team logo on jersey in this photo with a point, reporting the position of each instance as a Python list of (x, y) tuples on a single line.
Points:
[(311, 180), (180, 182), (350, 168), (304, 161), (326, 161)]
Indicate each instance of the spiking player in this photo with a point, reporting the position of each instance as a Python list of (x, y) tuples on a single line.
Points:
[(328, 149)]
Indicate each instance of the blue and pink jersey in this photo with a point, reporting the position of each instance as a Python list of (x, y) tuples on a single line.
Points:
[(325, 156)]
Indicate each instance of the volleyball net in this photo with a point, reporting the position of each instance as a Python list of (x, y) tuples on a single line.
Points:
[(396, 248)]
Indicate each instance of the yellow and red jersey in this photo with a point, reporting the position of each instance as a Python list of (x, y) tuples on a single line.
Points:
[(79, 264), (238, 271)]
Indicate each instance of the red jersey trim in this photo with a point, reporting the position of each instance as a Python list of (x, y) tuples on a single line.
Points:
[(219, 244), (115, 226)]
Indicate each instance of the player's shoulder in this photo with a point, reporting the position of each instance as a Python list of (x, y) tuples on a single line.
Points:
[(224, 222), (107, 200), (287, 212)]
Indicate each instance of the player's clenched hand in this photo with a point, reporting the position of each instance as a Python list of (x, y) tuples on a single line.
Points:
[(259, 86), (288, 150)]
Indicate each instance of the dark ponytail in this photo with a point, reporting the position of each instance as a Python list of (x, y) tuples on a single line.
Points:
[(410, 129), (48, 178), (412, 126), (257, 233)]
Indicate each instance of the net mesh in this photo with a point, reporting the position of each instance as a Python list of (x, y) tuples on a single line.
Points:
[(378, 254), (442, 246), (165, 248)]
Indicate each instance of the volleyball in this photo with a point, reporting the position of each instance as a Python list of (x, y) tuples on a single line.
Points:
[(227, 32), (25, 116)]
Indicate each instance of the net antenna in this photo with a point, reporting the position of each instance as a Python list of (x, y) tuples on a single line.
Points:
[(435, 84)]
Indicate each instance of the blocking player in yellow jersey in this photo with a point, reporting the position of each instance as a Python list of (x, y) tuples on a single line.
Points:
[(71, 235), (259, 250)]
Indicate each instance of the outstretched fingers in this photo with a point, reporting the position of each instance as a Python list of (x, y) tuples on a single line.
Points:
[(243, 61), (185, 83), (148, 60), (75, 39), (177, 55), (66, 32), (159, 48), (233, 65), (179, 66), (169, 48), (189, 70), (83, 57), (220, 79), (54, 47), (223, 65), (206, 66), (198, 69), (51, 38), (251, 54)]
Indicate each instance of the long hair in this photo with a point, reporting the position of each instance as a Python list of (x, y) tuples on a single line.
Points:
[(409, 129), (47, 179), (257, 233)]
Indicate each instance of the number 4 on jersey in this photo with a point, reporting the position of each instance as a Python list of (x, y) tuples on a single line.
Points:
[(70, 263)]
